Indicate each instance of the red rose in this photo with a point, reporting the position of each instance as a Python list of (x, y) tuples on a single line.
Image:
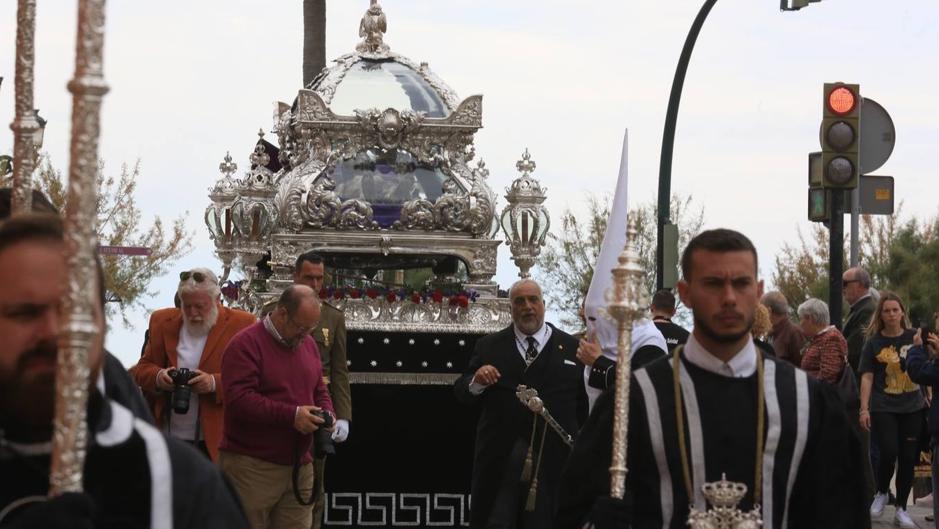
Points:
[(462, 301), (337, 294), (415, 297), (437, 296), (391, 297), (371, 292), (322, 293), (355, 293)]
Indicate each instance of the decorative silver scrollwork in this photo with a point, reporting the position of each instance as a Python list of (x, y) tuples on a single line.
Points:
[(469, 113), (450, 207), (289, 204), (389, 126), (416, 214), (480, 211), (356, 214), (323, 204), (484, 316)]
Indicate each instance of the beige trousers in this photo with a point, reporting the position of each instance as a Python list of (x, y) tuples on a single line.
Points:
[(266, 491)]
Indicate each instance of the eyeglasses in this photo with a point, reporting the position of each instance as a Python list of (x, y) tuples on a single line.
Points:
[(198, 277), (302, 330), (846, 282)]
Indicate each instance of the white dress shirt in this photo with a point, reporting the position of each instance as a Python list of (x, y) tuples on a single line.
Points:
[(741, 365), (541, 337), (189, 353)]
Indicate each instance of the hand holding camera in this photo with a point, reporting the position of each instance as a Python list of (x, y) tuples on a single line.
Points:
[(319, 422), (309, 419)]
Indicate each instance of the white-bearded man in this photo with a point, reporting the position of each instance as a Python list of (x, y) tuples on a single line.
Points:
[(191, 337)]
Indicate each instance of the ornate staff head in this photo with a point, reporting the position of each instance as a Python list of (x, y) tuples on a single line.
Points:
[(629, 303)]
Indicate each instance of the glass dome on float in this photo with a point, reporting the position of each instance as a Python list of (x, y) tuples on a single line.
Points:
[(386, 84), (373, 164)]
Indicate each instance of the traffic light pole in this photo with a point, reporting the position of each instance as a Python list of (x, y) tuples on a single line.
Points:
[(668, 141), (836, 253), (855, 225)]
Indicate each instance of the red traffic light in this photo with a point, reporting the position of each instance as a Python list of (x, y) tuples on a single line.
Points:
[(841, 100)]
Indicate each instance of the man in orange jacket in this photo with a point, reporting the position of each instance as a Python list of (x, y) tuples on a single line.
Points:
[(184, 352)]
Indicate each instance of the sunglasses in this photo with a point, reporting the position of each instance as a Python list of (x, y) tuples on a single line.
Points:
[(198, 277)]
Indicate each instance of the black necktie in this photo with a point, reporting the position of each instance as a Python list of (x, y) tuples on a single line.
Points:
[(531, 352)]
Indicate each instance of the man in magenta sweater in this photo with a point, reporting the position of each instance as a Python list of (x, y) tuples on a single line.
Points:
[(273, 387)]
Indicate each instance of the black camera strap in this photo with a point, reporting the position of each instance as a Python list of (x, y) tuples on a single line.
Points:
[(295, 478)]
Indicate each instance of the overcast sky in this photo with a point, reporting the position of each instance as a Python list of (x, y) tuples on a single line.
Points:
[(190, 80)]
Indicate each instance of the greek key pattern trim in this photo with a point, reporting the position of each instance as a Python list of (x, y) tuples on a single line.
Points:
[(393, 509)]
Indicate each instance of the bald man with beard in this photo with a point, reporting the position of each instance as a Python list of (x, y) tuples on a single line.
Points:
[(518, 460)]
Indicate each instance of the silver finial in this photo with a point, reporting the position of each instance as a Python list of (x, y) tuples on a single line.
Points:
[(526, 165), (228, 166), (372, 29)]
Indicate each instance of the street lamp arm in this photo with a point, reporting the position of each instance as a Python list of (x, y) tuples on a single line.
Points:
[(668, 139)]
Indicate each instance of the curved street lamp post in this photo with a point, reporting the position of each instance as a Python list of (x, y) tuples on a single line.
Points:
[(671, 120)]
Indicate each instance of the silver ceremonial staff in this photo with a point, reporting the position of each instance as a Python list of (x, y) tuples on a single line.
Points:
[(628, 305), (79, 330), (25, 124), (530, 399)]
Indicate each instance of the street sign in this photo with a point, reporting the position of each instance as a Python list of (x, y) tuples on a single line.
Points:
[(878, 136), (123, 250), (670, 272), (876, 194)]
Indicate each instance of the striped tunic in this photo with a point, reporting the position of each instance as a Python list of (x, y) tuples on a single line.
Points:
[(811, 463), (136, 477)]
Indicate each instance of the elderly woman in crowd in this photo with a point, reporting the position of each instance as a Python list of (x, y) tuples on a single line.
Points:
[(826, 350)]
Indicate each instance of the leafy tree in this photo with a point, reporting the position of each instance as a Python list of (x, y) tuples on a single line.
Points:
[(567, 260), (900, 256), (911, 269), (801, 271), (119, 224)]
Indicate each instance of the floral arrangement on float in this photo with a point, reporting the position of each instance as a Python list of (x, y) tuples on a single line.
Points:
[(396, 303), (461, 298)]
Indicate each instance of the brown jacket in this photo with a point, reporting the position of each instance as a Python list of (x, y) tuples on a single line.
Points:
[(160, 352)]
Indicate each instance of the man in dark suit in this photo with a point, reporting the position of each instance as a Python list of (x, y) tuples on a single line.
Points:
[(518, 459), (856, 283)]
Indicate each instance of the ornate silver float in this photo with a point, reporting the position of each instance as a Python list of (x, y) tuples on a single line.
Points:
[(374, 167)]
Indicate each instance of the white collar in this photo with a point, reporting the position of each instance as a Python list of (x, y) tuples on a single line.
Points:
[(743, 364), (823, 331), (540, 336)]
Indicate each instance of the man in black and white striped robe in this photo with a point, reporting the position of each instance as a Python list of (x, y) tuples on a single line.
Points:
[(810, 473), (133, 476)]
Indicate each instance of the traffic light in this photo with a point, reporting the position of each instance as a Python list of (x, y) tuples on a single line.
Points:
[(840, 135)]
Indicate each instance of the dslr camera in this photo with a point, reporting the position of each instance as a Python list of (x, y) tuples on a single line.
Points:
[(322, 439), (181, 389)]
